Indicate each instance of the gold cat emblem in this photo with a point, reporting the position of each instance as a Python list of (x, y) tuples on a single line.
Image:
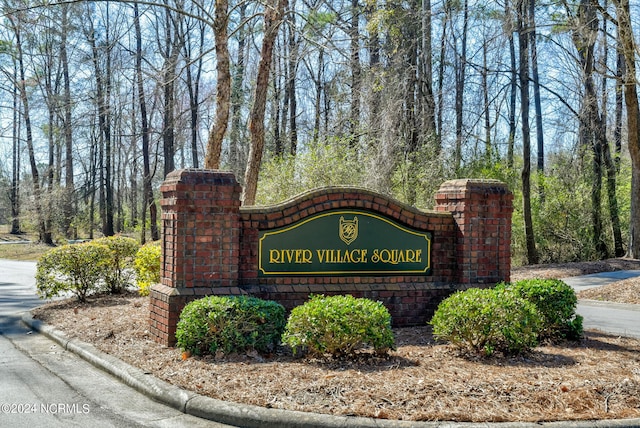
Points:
[(348, 230)]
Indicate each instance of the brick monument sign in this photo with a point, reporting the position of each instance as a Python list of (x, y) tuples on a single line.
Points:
[(335, 240)]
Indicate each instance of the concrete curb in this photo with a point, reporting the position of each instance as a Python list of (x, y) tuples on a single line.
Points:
[(243, 415)]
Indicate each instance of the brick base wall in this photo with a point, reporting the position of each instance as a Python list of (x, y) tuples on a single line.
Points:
[(210, 246)]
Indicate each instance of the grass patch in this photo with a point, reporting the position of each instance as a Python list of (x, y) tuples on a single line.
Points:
[(20, 247), (23, 251)]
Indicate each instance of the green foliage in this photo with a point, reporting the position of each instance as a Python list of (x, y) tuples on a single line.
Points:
[(318, 19), (123, 251), (484, 321), (147, 266), (556, 302), (418, 176), (561, 206), (77, 268), (230, 324), (284, 177), (563, 219), (339, 326)]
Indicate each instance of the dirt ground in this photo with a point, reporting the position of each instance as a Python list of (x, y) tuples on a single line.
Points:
[(596, 378)]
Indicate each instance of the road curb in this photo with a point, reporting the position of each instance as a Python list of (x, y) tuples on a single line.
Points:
[(250, 416)]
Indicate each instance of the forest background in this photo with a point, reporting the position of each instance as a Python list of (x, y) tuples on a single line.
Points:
[(99, 100)]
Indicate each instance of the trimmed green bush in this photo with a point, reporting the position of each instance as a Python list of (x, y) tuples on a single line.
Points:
[(75, 268), (339, 326), (123, 251), (556, 302), (147, 266), (230, 324), (484, 321)]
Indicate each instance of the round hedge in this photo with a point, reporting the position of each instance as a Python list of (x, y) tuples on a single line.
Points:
[(556, 301), (230, 324), (339, 326), (487, 320)]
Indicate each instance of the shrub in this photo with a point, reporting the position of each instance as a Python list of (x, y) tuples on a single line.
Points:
[(556, 302), (123, 251), (76, 268), (147, 266), (230, 324), (487, 320), (339, 325)]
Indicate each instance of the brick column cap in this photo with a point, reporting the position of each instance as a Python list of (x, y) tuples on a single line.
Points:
[(471, 185), (200, 176)]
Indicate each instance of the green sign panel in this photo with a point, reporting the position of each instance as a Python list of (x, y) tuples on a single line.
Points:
[(349, 242)]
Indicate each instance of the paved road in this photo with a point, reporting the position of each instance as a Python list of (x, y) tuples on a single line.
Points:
[(613, 318), (45, 386)]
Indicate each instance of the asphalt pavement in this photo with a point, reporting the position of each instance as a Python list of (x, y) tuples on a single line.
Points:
[(614, 318), (42, 384), (48, 380)]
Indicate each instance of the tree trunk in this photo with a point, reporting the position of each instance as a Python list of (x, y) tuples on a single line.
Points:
[(535, 79), (617, 131), (425, 76), (133, 176), (513, 86), (15, 165), (148, 198), (523, 39), (441, 70), (591, 126), (356, 73), (375, 74), (68, 208), (627, 43), (44, 235), (193, 86), (171, 53), (103, 99), (612, 196), (609, 163), (272, 18), (223, 92), (236, 145), (485, 105), (461, 71), (411, 122), (318, 83), (280, 109), (291, 84), (52, 147)]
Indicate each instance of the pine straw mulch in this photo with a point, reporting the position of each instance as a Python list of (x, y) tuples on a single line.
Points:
[(596, 378)]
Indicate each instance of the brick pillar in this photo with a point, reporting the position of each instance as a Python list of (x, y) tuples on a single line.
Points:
[(200, 244), (482, 211)]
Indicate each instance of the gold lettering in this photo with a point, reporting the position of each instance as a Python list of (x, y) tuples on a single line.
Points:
[(387, 257), (339, 256), (303, 256), (396, 256), (274, 256), (361, 257), (297, 256)]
